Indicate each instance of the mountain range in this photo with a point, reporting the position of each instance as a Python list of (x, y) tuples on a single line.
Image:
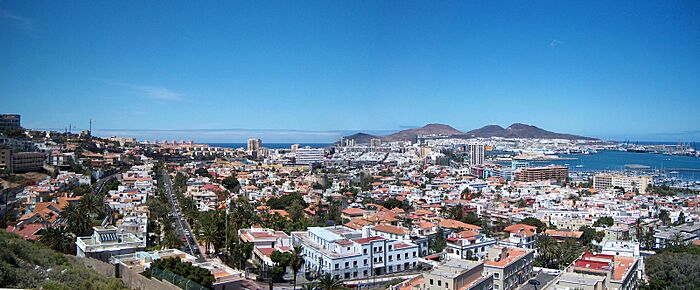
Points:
[(516, 130)]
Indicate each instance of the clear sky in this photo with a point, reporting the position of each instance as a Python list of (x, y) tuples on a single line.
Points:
[(609, 69)]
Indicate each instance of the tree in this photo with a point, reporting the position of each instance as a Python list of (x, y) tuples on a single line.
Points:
[(57, 238), (171, 240), (232, 184), (665, 217), (202, 172), (296, 262), (438, 244), (590, 234), (14, 133), (328, 282), (92, 203), (77, 220), (208, 228), (681, 218), (392, 203), (604, 221), (522, 203), (670, 270), (531, 221)]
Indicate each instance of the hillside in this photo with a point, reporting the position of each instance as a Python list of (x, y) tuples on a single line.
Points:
[(430, 129), (360, 138), (26, 264), (519, 130)]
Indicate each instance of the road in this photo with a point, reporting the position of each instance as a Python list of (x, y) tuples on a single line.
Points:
[(181, 225)]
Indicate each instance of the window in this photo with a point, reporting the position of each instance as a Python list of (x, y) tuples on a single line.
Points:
[(398, 257), (365, 262), (406, 256), (431, 281), (414, 254), (390, 246), (364, 272), (447, 285), (337, 266), (354, 263), (364, 251), (347, 264), (439, 282), (496, 276)]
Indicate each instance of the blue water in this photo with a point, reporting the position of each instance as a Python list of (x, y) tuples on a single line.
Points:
[(616, 160), (271, 145)]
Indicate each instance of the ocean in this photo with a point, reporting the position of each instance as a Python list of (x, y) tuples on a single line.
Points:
[(688, 167)]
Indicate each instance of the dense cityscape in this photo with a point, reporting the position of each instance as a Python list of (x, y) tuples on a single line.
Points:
[(338, 145), (423, 212)]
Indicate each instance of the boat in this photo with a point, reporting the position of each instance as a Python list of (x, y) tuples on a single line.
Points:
[(579, 166)]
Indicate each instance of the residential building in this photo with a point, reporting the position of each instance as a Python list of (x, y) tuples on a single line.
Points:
[(21, 161), (476, 154), (469, 244), (9, 121), (600, 271), (375, 142), (458, 275), (350, 254), (106, 242), (551, 172), (511, 267), (265, 241), (521, 236), (309, 155), (606, 181)]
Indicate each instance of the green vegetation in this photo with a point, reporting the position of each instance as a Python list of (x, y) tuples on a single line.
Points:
[(286, 200), (31, 265), (198, 275), (202, 172), (531, 221), (665, 190), (604, 221), (556, 255), (14, 133), (676, 268), (438, 244), (232, 184)]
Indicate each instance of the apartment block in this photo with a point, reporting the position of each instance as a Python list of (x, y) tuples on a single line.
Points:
[(606, 181), (511, 267), (552, 172)]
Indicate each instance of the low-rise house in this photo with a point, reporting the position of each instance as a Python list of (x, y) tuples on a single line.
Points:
[(106, 242), (457, 275)]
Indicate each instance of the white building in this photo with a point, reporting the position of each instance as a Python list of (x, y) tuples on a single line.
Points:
[(349, 254), (476, 154), (309, 155), (106, 242)]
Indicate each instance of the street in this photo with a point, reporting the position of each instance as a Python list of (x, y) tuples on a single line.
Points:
[(182, 227)]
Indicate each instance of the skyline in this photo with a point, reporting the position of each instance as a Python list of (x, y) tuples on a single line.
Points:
[(615, 72)]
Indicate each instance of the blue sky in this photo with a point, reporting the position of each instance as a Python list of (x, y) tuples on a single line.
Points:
[(613, 69)]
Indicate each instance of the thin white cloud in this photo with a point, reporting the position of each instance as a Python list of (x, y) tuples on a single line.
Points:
[(158, 93), (555, 43), (11, 17)]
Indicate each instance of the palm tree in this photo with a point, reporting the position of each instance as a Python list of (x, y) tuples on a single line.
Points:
[(208, 229), (296, 262), (57, 238), (92, 203), (77, 220), (328, 282), (309, 286)]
